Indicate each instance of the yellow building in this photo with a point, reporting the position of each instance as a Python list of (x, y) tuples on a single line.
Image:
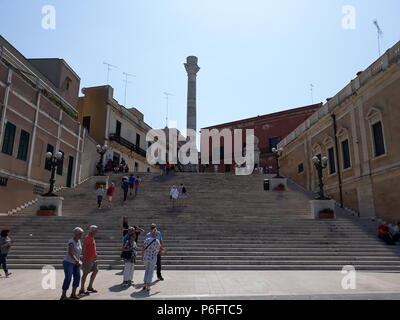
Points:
[(359, 131), (122, 130)]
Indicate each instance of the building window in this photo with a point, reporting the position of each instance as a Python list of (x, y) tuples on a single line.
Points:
[(332, 164), (47, 165), (273, 143), (9, 136), (300, 168), (86, 123), (60, 167), (23, 145), (118, 129), (137, 140), (346, 154), (379, 143)]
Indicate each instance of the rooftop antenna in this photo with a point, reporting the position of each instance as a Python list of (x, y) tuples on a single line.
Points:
[(109, 67), (167, 95), (312, 93), (126, 83), (380, 33)]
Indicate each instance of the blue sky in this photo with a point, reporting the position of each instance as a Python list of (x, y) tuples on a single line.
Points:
[(257, 56)]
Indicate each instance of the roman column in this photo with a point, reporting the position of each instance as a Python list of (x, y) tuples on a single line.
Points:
[(192, 69)]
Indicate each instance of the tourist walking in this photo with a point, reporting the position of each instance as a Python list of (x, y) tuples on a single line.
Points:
[(100, 192), (173, 195), (182, 195), (125, 187), (153, 228), (110, 194), (151, 250), (128, 254), (138, 181), (384, 234), (131, 184), (72, 264), (89, 261), (5, 245)]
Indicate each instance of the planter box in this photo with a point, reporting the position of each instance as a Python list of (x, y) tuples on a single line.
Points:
[(51, 201), (319, 205), (45, 213), (327, 215)]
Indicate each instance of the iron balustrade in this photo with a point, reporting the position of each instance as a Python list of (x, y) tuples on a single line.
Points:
[(127, 144)]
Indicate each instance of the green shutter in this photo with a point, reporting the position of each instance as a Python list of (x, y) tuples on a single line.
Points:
[(23, 145), (9, 136)]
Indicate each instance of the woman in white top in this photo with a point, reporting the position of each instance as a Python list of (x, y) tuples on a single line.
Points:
[(173, 195), (72, 263)]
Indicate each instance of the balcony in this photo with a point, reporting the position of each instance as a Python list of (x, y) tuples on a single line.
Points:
[(127, 144)]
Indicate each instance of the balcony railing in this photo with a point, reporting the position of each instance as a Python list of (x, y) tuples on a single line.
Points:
[(127, 144)]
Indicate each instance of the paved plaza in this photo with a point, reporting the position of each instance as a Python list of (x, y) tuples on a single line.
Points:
[(189, 285)]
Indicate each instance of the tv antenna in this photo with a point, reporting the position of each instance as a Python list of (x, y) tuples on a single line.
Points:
[(380, 34), (126, 75), (312, 93), (167, 95), (109, 68)]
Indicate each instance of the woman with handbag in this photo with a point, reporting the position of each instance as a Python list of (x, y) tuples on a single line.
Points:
[(129, 256)]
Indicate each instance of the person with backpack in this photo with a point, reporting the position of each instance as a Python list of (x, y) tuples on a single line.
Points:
[(182, 195), (129, 256), (125, 187)]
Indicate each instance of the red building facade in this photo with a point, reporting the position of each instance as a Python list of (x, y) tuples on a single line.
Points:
[(270, 129)]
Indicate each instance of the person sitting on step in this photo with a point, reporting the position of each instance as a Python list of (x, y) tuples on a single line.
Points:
[(384, 234)]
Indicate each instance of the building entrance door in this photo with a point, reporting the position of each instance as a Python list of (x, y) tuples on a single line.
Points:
[(70, 171)]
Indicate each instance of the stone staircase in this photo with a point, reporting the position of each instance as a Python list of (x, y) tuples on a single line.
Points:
[(229, 223)]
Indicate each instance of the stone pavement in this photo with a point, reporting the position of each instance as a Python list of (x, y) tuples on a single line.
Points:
[(188, 285)]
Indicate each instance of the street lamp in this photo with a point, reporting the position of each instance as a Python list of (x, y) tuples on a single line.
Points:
[(54, 160), (277, 154), (101, 150), (320, 165)]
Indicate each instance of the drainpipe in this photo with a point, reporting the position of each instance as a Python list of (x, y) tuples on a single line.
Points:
[(337, 160)]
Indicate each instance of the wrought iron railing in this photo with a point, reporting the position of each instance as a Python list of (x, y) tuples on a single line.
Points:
[(127, 144)]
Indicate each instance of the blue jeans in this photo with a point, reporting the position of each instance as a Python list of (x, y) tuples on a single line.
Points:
[(71, 269), (3, 262), (148, 275)]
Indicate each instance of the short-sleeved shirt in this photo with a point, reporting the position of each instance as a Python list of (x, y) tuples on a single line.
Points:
[(90, 252), (153, 248), (77, 250), (110, 191), (159, 236), (131, 180), (3, 241)]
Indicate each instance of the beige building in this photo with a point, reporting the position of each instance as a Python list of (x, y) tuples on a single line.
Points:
[(38, 113), (359, 131), (111, 124)]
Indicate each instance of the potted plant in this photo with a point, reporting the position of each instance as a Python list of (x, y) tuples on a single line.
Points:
[(327, 214), (280, 187), (46, 211)]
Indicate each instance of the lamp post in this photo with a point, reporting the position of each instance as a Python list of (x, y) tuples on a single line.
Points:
[(54, 160), (101, 150), (320, 165), (277, 154)]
